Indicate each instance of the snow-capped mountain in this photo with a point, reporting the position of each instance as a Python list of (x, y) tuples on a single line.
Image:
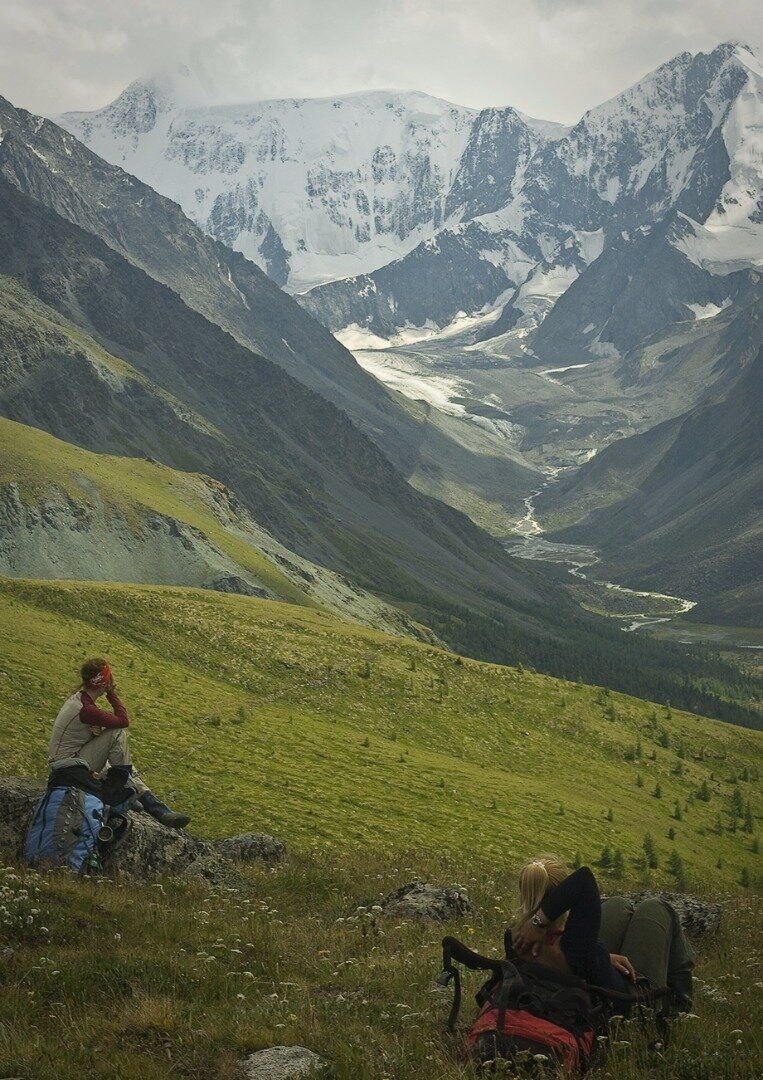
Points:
[(315, 189), (311, 190), (404, 214), (686, 139)]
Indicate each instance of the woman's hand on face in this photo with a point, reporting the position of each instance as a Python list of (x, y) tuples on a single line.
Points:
[(623, 965)]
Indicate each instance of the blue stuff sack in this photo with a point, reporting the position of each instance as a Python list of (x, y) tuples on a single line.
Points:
[(64, 830)]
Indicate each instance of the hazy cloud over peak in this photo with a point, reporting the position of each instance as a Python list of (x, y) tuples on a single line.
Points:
[(550, 58)]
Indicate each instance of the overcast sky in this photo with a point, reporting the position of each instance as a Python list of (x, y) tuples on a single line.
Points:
[(550, 58)]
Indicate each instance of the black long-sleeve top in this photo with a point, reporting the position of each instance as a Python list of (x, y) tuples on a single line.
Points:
[(588, 958)]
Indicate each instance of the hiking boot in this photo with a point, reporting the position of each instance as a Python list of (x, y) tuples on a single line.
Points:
[(159, 810), (682, 996)]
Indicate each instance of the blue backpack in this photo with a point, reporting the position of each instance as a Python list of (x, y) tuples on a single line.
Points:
[(65, 830)]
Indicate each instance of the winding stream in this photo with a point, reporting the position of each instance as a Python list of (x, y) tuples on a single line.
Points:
[(529, 543)]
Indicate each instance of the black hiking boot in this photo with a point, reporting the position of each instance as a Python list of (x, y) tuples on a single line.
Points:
[(159, 810), (681, 986)]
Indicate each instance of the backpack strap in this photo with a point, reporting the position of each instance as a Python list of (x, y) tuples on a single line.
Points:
[(512, 989), (453, 949)]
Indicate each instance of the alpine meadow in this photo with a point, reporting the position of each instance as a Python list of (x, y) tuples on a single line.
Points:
[(380, 542)]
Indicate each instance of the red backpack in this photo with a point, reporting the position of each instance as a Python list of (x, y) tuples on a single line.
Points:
[(527, 1010)]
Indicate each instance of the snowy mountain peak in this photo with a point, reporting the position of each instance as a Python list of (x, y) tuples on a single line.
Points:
[(178, 87), (395, 207)]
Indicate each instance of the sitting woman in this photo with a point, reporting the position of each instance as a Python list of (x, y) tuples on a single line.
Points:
[(82, 732), (563, 923)]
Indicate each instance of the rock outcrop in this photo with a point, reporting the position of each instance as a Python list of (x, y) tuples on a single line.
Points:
[(699, 918), (250, 848), (281, 1063), (147, 851), (420, 900)]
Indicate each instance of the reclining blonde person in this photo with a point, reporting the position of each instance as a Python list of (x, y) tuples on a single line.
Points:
[(563, 922), (84, 732)]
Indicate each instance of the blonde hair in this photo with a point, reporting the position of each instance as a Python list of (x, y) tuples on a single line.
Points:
[(536, 877)]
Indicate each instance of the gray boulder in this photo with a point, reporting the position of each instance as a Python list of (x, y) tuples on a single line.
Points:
[(251, 847), (214, 871), (18, 798), (421, 900), (699, 918), (147, 851), (281, 1063)]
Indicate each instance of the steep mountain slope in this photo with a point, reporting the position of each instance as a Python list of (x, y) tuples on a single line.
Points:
[(307, 474), (69, 513), (298, 465), (681, 506), (640, 286), (151, 232)]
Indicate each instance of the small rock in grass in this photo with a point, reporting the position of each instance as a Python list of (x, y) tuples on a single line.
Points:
[(420, 900), (699, 918), (213, 870), (281, 1063), (251, 847)]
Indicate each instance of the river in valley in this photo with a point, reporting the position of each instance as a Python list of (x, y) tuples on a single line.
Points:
[(528, 542)]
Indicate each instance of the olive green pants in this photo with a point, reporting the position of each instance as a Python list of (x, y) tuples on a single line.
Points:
[(111, 747), (650, 935)]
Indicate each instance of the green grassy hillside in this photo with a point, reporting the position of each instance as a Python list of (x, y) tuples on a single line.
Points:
[(258, 715), (378, 759), (43, 466), (100, 513), (131, 983)]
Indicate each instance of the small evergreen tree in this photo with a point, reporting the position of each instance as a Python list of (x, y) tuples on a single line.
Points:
[(650, 853), (665, 739), (677, 812), (749, 821), (611, 816), (681, 751), (703, 792), (657, 791), (605, 859), (676, 868), (618, 864), (639, 780), (678, 768), (671, 833), (744, 878), (755, 845), (737, 804)]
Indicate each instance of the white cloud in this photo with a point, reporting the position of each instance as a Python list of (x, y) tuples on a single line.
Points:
[(551, 58)]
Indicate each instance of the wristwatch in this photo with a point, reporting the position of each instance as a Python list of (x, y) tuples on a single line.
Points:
[(537, 920)]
